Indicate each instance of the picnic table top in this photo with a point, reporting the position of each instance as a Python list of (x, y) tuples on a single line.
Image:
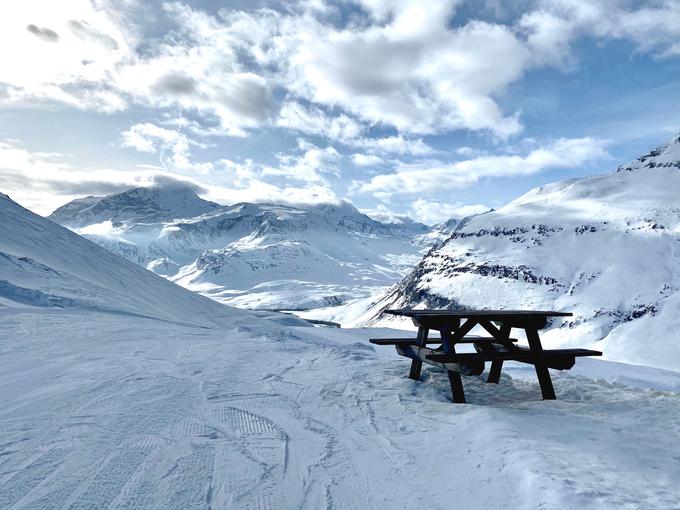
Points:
[(487, 314)]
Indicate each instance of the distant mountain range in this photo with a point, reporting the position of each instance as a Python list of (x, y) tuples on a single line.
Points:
[(253, 255), (605, 247)]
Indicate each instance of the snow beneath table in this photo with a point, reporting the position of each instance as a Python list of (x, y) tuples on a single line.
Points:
[(104, 410)]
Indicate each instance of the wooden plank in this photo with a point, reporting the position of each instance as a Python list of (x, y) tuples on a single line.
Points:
[(518, 321), (457, 392), (469, 367), (442, 321), (492, 347), (489, 314), (471, 339), (559, 359), (495, 371), (402, 341), (457, 335), (565, 352), (497, 364), (436, 322), (448, 344)]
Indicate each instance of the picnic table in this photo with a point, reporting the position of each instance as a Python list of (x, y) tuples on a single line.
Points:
[(454, 326)]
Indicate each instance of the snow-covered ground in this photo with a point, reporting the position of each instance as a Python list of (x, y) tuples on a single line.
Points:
[(108, 411)]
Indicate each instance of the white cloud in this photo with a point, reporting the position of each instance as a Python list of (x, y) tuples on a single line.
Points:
[(367, 160), (397, 144), (309, 167), (314, 121), (415, 73), (468, 152), (431, 212), (75, 66), (434, 176), (199, 67), (424, 211), (259, 191), (171, 146), (402, 64), (554, 25)]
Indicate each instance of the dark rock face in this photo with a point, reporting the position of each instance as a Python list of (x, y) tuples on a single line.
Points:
[(666, 156)]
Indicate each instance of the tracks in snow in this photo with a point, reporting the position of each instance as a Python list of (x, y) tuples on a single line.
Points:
[(105, 412)]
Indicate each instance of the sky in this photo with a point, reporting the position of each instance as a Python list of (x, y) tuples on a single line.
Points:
[(431, 109)]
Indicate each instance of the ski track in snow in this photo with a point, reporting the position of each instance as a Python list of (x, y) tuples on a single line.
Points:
[(106, 411)]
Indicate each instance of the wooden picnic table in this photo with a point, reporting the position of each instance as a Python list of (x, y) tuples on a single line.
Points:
[(454, 326)]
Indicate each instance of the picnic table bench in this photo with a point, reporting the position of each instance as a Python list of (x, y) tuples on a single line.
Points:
[(454, 326)]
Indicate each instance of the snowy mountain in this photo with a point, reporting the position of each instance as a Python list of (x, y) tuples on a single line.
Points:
[(161, 203), (47, 266), (605, 247), (252, 255)]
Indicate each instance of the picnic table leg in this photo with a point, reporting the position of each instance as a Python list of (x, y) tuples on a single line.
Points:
[(455, 381), (456, 387), (495, 371), (416, 364), (497, 364), (541, 370)]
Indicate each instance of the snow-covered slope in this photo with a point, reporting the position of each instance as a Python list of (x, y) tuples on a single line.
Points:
[(45, 265), (605, 247), (258, 255), (106, 411)]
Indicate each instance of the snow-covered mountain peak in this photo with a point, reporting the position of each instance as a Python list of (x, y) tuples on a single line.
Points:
[(159, 203), (664, 156)]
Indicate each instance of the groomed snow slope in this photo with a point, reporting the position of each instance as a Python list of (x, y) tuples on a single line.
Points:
[(103, 411), (45, 265), (606, 248)]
